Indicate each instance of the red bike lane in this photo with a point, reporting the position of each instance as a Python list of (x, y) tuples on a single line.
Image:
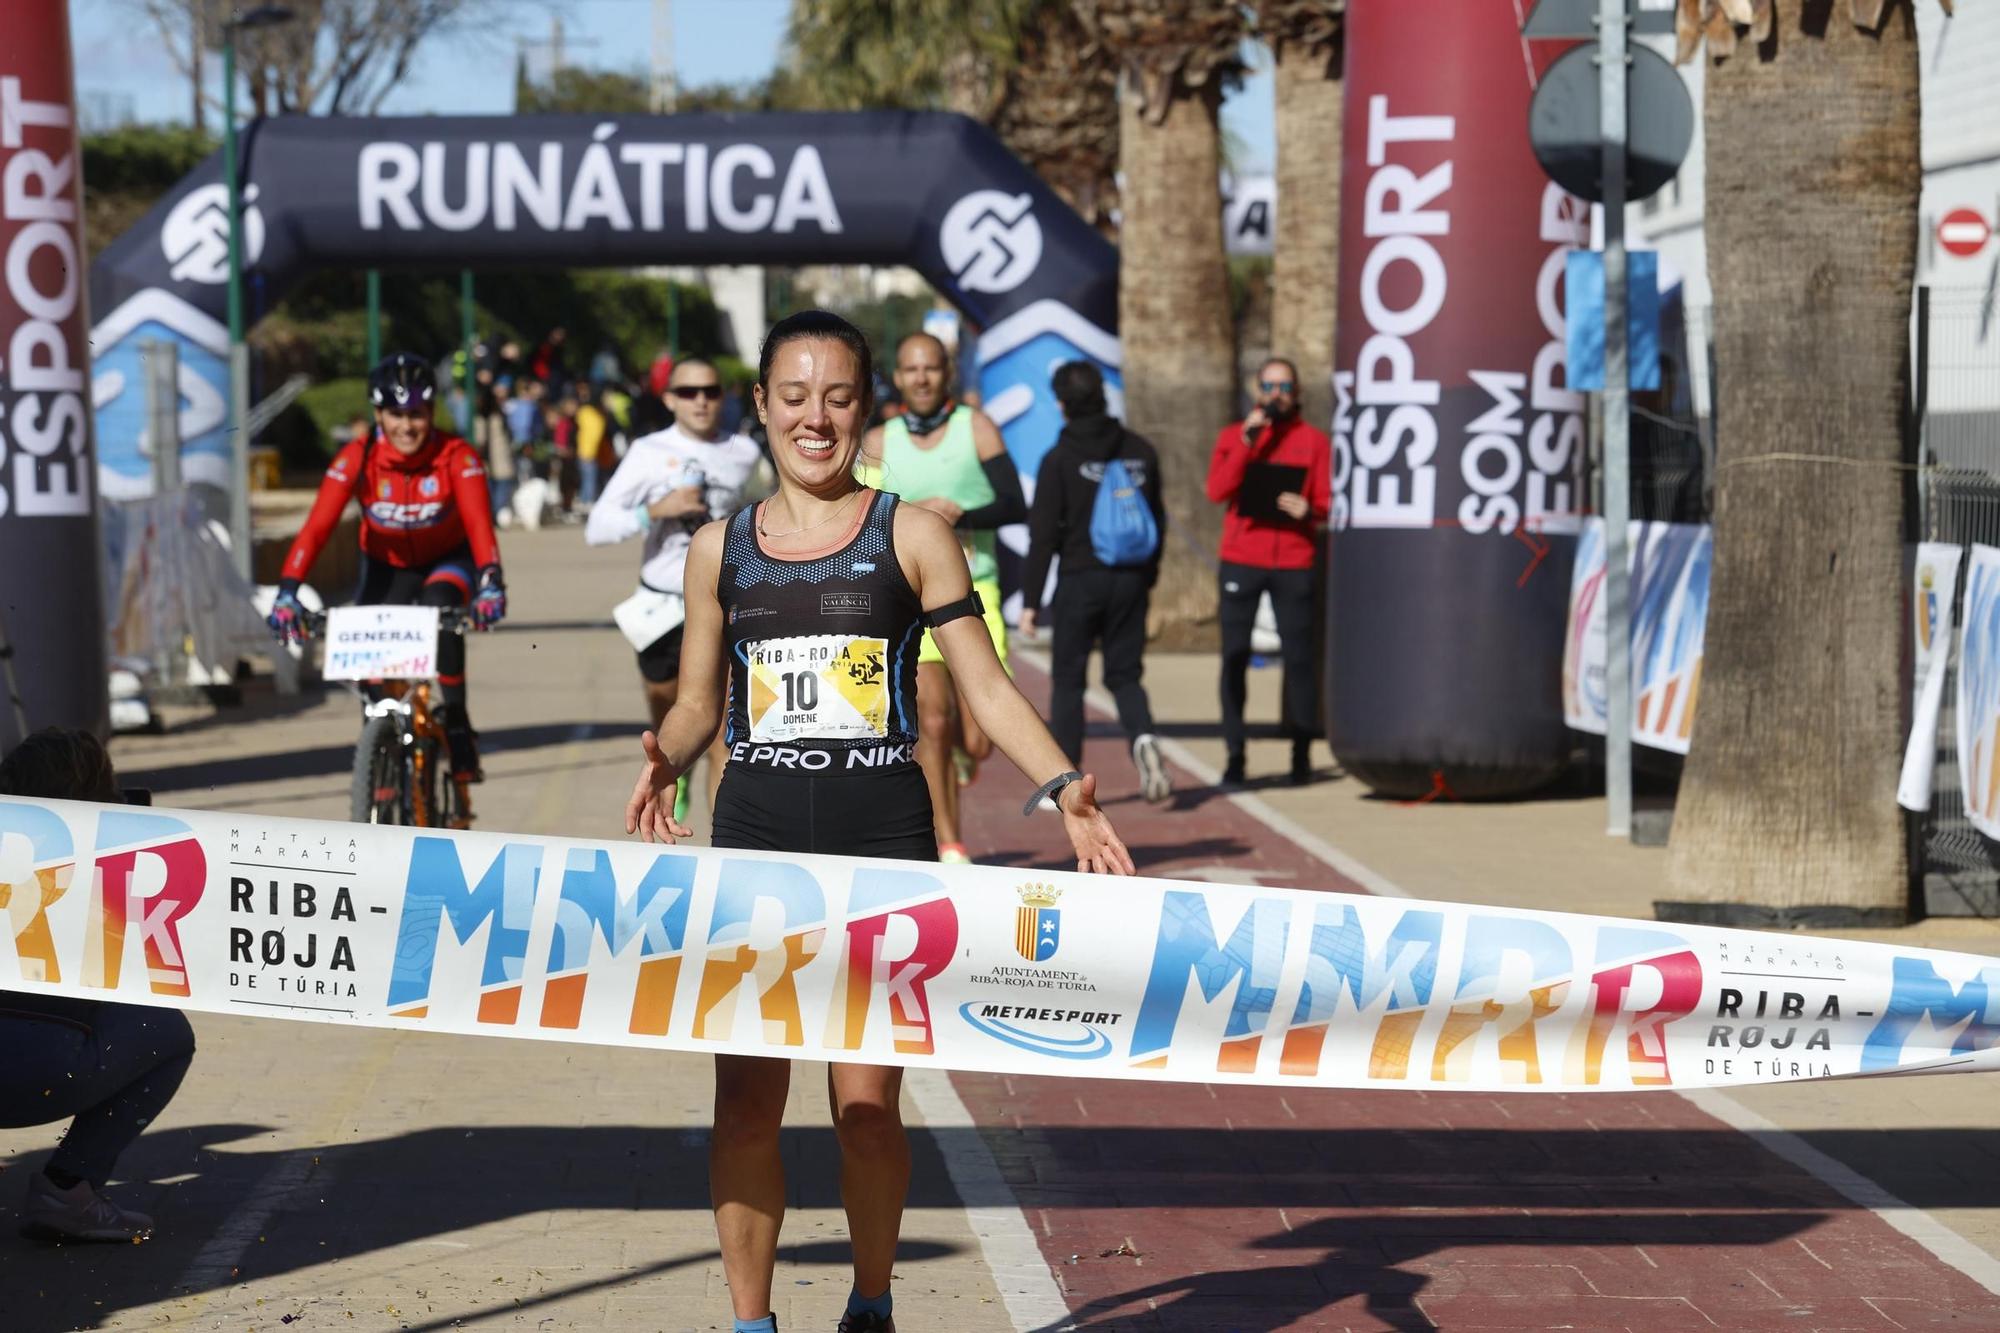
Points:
[(1196, 1207)]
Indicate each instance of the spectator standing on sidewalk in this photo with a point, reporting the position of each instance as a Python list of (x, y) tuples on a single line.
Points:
[(551, 365), (495, 443), (1275, 473), (560, 418), (523, 410), (593, 441), (1098, 603), (113, 1067)]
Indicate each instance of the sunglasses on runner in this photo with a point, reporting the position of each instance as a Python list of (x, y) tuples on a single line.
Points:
[(1276, 386), (709, 391)]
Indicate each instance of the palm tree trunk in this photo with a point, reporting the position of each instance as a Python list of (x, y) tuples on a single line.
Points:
[(1788, 801), (1306, 266), (1173, 319)]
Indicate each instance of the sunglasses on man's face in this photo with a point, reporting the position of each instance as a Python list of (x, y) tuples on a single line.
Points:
[(708, 391), (1276, 386)]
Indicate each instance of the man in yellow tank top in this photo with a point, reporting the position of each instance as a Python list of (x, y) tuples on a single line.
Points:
[(948, 458)]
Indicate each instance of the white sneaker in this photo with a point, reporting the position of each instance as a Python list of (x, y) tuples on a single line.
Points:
[(1154, 784), (79, 1213)]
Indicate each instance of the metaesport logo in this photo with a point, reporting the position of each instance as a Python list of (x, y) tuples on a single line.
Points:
[(996, 1021), (991, 241)]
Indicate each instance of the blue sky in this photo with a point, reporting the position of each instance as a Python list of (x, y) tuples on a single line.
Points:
[(120, 67)]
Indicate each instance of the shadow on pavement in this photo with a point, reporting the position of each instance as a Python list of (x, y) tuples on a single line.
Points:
[(324, 760), (1149, 858), (819, 1252), (365, 1198), (558, 626), (261, 702), (1361, 1257), (1377, 1198)]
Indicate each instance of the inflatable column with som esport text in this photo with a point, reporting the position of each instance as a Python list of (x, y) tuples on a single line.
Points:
[(1457, 446), (51, 594), (934, 191)]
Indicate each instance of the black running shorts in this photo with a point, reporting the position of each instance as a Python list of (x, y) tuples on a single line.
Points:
[(660, 660), (844, 814)]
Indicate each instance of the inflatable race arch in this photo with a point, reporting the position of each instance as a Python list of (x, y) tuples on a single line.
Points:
[(1458, 445), (935, 191)]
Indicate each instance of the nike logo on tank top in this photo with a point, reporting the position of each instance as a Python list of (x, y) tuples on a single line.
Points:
[(822, 651)]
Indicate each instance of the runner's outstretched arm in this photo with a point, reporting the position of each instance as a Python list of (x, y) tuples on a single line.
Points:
[(931, 558), (691, 723)]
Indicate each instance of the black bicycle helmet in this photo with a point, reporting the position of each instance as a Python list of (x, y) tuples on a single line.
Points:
[(402, 381)]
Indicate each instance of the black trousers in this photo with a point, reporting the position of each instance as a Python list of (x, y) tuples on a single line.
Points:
[(1099, 608), (1292, 597), (112, 1066)]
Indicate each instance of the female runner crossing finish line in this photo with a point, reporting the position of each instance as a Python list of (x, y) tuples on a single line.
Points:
[(814, 600)]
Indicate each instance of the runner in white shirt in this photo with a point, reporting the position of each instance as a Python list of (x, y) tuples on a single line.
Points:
[(669, 484)]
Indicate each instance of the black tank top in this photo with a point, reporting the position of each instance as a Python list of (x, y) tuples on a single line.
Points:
[(822, 652)]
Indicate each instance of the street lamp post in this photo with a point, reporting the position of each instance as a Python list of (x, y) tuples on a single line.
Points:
[(264, 16)]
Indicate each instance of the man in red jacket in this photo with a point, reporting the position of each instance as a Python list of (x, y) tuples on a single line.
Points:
[(426, 531), (1275, 473)]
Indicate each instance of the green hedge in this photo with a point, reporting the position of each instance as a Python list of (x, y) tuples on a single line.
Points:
[(142, 158), (321, 327)]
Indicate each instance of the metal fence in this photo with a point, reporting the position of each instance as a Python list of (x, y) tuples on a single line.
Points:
[(1955, 385), (1957, 391), (1672, 440)]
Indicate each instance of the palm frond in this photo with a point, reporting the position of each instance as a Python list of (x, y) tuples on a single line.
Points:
[(1317, 27), (1168, 48), (1721, 23)]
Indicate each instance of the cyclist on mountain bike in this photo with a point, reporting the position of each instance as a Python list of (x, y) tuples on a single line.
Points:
[(426, 531)]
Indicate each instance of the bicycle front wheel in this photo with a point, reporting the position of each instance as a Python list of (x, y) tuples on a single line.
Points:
[(379, 793)]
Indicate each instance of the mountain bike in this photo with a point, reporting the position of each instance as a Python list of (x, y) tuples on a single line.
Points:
[(402, 761)]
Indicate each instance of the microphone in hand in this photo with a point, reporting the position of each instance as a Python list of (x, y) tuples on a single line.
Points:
[(1254, 424)]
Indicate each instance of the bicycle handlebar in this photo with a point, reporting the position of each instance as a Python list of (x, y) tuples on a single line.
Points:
[(451, 620)]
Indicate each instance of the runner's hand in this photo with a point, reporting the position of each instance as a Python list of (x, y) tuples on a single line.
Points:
[(1098, 850), (650, 812), (679, 503)]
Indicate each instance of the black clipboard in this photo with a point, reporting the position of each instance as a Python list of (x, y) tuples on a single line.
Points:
[(1263, 483)]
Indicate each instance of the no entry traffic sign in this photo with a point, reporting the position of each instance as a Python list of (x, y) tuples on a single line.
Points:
[(1963, 232)]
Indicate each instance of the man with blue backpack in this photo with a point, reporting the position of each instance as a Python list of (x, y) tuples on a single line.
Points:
[(1098, 507)]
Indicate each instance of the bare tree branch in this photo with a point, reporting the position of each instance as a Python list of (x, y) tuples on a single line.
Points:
[(334, 57)]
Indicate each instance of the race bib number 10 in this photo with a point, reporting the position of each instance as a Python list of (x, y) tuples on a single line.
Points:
[(819, 687)]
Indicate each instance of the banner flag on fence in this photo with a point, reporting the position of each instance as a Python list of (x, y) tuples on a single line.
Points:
[(1979, 691), (956, 967), (1931, 604), (1670, 565)]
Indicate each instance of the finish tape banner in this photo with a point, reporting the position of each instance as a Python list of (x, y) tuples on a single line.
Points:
[(955, 967)]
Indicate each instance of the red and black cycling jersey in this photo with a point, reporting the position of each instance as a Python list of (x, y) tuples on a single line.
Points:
[(415, 510)]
